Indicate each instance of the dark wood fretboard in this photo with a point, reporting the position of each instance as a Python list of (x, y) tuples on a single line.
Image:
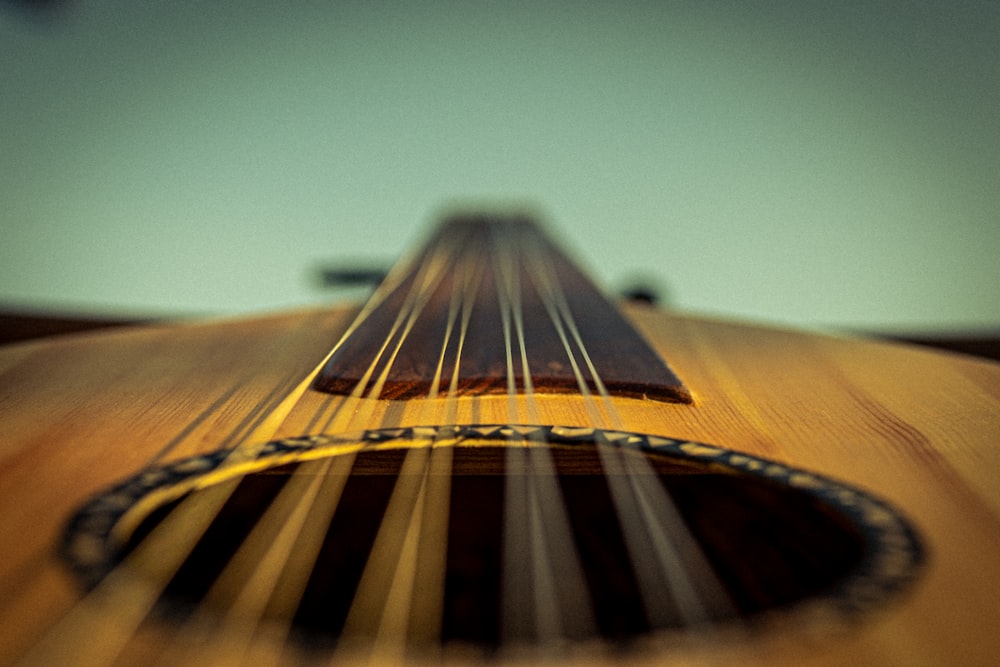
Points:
[(497, 288)]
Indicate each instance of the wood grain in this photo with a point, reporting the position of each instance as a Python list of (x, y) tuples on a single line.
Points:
[(918, 428)]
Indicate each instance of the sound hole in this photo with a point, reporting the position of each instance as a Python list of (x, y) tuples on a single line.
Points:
[(769, 544)]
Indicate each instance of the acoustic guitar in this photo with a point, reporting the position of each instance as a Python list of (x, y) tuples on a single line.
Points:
[(489, 462)]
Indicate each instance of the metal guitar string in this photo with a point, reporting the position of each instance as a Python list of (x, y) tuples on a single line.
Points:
[(115, 608), (250, 605), (362, 400), (646, 513), (535, 519), (382, 615)]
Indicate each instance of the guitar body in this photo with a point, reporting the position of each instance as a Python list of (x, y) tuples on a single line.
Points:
[(920, 430)]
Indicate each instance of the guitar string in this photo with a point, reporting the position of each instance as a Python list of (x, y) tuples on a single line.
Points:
[(121, 601), (431, 509), (656, 606), (378, 612), (424, 599), (375, 392), (114, 610), (265, 405), (521, 595), (415, 603), (194, 627), (393, 280), (396, 276), (534, 506), (431, 272), (240, 635), (415, 305), (647, 514), (249, 578), (262, 407), (578, 616), (383, 607)]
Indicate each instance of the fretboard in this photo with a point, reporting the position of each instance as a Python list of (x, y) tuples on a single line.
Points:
[(490, 305)]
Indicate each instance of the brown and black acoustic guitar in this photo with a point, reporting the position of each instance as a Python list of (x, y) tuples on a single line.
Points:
[(490, 462)]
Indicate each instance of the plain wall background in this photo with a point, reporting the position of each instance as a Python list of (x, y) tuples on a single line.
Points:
[(812, 163)]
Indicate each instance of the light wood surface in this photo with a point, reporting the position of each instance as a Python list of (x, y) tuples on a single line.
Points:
[(918, 428)]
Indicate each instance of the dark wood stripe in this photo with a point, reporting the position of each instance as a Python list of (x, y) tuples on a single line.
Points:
[(623, 359), (18, 325)]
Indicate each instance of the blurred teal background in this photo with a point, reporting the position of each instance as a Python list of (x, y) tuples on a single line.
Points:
[(811, 163)]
